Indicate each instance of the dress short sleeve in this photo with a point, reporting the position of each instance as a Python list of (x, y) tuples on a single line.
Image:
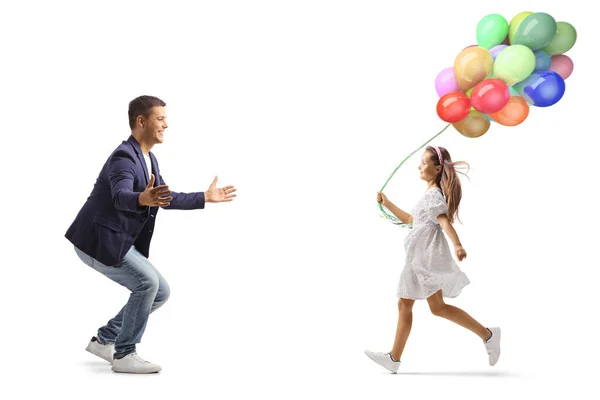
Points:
[(437, 205)]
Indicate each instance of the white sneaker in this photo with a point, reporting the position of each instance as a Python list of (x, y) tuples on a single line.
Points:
[(384, 359), (104, 351), (493, 346), (134, 364)]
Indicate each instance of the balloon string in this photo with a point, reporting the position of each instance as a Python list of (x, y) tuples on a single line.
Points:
[(387, 215)]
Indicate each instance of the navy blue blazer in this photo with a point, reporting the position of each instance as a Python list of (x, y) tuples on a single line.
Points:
[(110, 221)]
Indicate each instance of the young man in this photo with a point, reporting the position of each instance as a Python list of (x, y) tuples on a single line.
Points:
[(113, 229)]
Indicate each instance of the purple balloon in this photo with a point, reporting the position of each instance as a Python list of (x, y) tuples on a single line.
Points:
[(497, 49), (445, 82)]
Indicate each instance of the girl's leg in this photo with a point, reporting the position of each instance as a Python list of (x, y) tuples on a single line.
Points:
[(439, 308), (405, 307)]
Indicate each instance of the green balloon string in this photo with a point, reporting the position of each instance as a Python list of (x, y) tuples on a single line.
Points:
[(387, 215)]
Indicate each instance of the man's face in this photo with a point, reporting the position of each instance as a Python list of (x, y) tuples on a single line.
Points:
[(155, 125)]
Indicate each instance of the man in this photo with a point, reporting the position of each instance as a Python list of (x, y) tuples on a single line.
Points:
[(113, 229)]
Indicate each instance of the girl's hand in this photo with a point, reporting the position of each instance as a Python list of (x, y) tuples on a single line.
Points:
[(460, 253), (382, 199)]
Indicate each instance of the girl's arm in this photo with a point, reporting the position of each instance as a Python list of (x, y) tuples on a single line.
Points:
[(451, 232), (402, 215)]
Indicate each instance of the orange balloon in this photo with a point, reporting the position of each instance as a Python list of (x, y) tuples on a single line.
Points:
[(473, 126), (513, 113), (471, 66)]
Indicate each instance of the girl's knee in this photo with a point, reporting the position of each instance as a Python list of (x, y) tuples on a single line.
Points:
[(405, 305), (437, 308)]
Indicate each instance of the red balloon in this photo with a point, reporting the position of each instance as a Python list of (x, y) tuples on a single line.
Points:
[(453, 107), (490, 96)]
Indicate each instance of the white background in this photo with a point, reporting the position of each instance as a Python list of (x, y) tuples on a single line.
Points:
[(307, 107)]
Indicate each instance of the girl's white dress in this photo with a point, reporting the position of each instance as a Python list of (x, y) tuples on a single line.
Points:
[(429, 263)]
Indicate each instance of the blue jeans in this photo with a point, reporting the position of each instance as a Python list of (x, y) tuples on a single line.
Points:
[(149, 291)]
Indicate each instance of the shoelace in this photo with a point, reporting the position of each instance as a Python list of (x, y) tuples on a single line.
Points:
[(138, 358)]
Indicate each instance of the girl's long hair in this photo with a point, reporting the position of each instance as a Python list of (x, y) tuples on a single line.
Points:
[(448, 180)]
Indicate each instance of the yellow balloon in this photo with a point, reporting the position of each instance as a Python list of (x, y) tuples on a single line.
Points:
[(515, 22), (473, 126), (471, 66)]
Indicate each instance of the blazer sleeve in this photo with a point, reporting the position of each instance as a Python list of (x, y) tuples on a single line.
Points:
[(184, 201), (121, 174)]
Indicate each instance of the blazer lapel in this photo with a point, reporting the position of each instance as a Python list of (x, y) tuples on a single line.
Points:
[(154, 168)]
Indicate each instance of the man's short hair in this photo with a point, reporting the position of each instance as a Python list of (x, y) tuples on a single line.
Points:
[(143, 106)]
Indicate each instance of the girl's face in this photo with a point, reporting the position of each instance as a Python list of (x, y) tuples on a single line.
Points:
[(428, 170)]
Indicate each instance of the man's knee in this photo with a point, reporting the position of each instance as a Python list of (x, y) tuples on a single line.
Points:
[(163, 293), (149, 284)]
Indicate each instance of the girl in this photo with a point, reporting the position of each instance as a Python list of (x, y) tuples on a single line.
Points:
[(430, 272)]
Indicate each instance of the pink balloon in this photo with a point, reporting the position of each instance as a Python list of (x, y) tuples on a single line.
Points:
[(445, 82), (562, 65)]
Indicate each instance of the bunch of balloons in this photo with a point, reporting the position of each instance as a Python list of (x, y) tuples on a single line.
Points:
[(513, 66)]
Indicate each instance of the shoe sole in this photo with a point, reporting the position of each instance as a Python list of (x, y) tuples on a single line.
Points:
[(135, 371)]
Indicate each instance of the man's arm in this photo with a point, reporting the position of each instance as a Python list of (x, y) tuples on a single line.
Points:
[(121, 174), (185, 201)]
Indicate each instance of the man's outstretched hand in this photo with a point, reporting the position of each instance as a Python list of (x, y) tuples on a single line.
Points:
[(219, 195), (155, 196)]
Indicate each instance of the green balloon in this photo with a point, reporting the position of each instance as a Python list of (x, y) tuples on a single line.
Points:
[(491, 31), (514, 64), (515, 22), (563, 40), (536, 31)]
